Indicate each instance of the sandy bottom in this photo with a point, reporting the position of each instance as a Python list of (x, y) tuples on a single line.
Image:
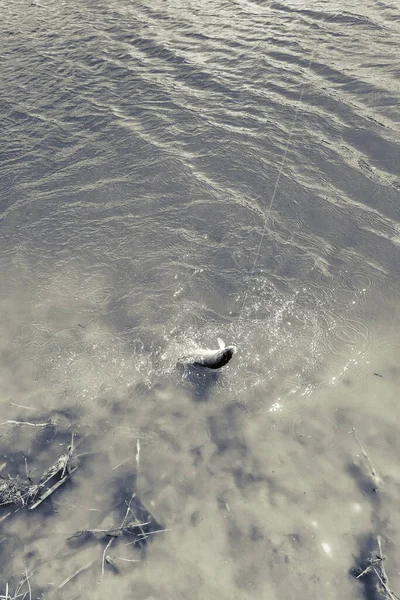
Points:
[(262, 492)]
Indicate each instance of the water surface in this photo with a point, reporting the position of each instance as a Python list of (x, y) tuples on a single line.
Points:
[(173, 172)]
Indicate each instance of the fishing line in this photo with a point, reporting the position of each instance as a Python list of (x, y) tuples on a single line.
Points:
[(281, 168)]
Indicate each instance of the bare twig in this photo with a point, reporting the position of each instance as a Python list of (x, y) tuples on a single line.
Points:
[(22, 406), (120, 464), (110, 561), (137, 454), (375, 477), (5, 516), (367, 570), (128, 559), (24, 423), (62, 465), (142, 536), (111, 532), (83, 568), (375, 565), (29, 584), (48, 492), (104, 556), (153, 532), (6, 597), (371, 564), (385, 587), (127, 511), (382, 575), (382, 568), (18, 590), (16, 490)]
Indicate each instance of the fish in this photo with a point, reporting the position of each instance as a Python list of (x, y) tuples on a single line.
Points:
[(211, 359)]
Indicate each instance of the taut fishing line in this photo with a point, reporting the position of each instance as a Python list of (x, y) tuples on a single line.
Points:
[(281, 168)]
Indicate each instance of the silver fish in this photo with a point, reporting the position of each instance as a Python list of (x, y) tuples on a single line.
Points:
[(212, 359)]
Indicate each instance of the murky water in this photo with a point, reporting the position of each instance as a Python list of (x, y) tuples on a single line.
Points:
[(173, 172)]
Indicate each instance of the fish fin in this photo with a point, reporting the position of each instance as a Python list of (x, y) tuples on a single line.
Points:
[(221, 343)]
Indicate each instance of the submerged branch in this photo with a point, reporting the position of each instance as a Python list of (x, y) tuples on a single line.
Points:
[(25, 493), (374, 476), (375, 565)]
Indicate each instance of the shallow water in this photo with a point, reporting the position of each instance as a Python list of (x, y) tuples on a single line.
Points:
[(173, 172)]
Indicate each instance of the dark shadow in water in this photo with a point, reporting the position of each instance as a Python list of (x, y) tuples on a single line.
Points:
[(201, 380), (245, 479), (123, 488), (226, 430), (13, 545), (47, 437), (25, 441), (369, 581), (369, 546), (365, 484), (31, 474), (133, 523)]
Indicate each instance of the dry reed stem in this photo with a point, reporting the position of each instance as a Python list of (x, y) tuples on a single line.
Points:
[(385, 587), (25, 423), (153, 532), (6, 597), (83, 568), (118, 532), (376, 565), (15, 490), (6, 516), (62, 464), (29, 584), (22, 406), (375, 477), (18, 590), (104, 556), (48, 493), (128, 559), (120, 464), (114, 532), (142, 536), (382, 576), (137, 454)]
